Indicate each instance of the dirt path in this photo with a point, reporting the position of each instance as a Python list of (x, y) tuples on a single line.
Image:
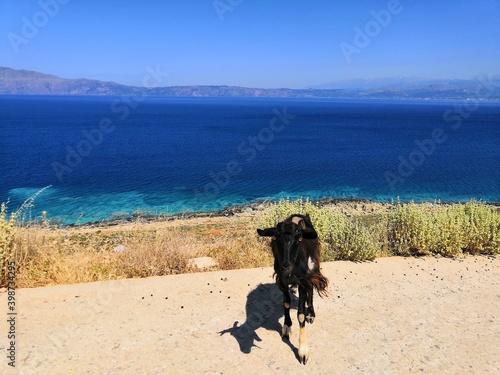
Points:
[(392, 316)]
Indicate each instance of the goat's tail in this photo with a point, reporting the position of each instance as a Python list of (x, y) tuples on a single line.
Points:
[(320, 283)]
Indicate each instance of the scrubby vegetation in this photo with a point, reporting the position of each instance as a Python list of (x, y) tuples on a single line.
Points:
[(407, 229), (46, 255), (448, 231)]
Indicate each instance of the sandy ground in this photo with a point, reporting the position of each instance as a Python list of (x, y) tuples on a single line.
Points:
[(392, 316)]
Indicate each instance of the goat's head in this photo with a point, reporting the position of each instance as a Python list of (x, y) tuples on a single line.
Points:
[(287, 236)]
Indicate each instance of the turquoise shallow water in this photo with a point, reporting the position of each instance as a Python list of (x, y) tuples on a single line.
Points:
[(106, 158)]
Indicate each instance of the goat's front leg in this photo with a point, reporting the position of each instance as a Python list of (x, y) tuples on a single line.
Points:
[(287, 325), (301, 315)]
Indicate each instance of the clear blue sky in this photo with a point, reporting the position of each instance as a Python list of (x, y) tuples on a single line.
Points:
[(254, 43)]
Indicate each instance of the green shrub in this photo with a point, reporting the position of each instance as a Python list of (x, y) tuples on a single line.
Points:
[(448, 237), (449, 231), (410, 230), (481, 229), (356, 243)]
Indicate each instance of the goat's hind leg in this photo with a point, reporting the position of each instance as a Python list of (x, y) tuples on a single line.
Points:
[(286, 331)]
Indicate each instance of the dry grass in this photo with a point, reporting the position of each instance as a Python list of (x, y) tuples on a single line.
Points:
[(50, 256), (7, 241)]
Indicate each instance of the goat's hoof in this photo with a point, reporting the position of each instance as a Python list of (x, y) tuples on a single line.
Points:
[(286, 331), (310, 319), (303, 355)]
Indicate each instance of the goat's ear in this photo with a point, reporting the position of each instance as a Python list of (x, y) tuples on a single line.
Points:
[(268, 232), (309, 234)]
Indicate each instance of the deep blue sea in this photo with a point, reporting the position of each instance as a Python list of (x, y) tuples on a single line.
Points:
[(108, 157)]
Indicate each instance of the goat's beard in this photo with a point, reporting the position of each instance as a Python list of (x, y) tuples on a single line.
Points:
[(287, 274)]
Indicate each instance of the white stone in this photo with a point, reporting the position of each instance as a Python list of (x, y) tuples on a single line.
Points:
[(202, 263), (119, 248)]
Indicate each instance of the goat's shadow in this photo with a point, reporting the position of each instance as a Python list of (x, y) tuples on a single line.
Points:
[(264, 308)]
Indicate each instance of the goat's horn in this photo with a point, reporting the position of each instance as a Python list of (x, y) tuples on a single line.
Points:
[(296, 220)]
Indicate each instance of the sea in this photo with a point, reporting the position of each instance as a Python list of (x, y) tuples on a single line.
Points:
[(81, 159)]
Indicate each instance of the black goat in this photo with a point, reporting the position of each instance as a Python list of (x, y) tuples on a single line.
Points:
[(295, 248)]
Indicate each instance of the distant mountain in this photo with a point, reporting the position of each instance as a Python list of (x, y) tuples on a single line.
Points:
[(412, 87), (25, 82), (368, 84)]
